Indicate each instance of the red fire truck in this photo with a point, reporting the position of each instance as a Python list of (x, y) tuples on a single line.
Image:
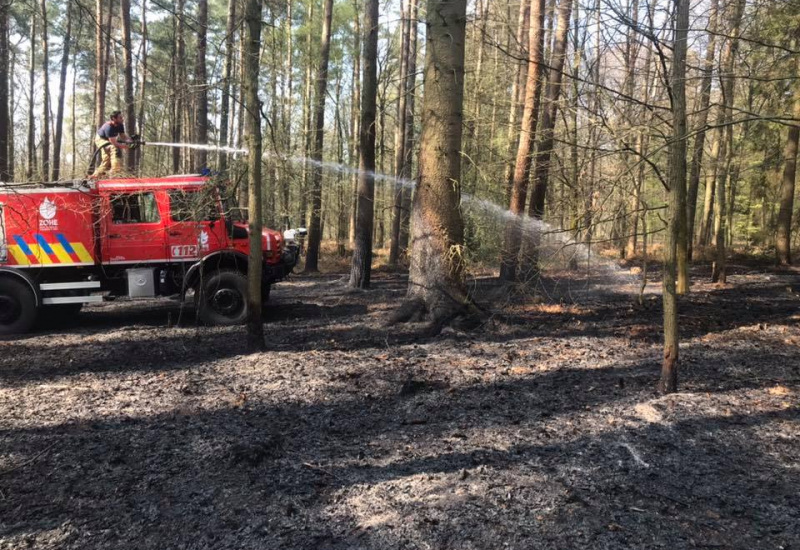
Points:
[(62, 247)]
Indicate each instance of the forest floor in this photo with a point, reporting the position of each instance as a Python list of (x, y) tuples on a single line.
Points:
[(125, 428)]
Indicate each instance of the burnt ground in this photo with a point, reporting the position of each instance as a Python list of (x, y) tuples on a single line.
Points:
[(130, 427)]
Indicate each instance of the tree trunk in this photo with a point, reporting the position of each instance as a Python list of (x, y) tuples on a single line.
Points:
[(355, 133), (522, 166), (727, 85), (6, 127), (45, 95), (201, 86), (142, 84), (252, 17), (31, 116), (544, 150), (99, 73), (408, 148), (130, 101), (702, 121), (180, 85), (436, 287), (62, 85), (230, 30), (307, 112), (517, 96), (315, 229), (399, 139), (783, 239), (362, 253), (287, 110)]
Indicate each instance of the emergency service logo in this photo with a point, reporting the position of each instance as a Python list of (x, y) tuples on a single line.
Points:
[(203, 240), (47, 213)]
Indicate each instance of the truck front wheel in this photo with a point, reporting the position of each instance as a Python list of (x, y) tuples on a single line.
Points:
[(222, 298), (17, 307)]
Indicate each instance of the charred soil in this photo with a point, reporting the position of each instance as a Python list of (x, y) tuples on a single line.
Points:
[(131, 427)]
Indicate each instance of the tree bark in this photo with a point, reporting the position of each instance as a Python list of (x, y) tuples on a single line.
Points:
[(99, 73), (677, 182), (436, 287), (201, 86), (522, 166), (130, 101), (142, 83), (355, 132), (252, 106), (315, 229), (362, 253), (517, 96), (408, 148), (180, 85)]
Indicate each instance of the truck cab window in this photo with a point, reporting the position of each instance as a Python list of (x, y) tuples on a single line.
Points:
[(193, 206), (134, 208)]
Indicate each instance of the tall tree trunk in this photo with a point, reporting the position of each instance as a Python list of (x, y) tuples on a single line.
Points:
[(31, 116), (143, 83), (726, 148), (6, 127), (287, 110), (252, 27), (180, 85), (436, 278), (399, 138), (62, 85), (201, 86), (130, 101), (99, 71), (230, 31), (315, 229), (704, 235), (45, 95), (408, 148), (783, 239), (530, 115), (544, 149), (677, 183), (354, 121), (702, 121), (362, 253), (517, 96), (307, 113)]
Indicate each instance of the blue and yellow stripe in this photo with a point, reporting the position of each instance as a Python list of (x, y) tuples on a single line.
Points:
[(43, 252)]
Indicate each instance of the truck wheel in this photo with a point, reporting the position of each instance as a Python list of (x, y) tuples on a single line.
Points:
[(17, 307), (222, 300)]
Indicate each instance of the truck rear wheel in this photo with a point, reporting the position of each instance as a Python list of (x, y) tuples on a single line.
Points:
[(17, 307), (222, 298)]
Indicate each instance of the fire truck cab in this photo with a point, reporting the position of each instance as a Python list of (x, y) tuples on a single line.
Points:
[(65, 246)]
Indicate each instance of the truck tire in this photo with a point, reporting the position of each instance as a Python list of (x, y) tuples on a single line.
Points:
[(17, 307), (222, 298)]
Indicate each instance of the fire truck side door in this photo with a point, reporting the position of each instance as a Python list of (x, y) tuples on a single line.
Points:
[(195, 227), (132, 230)]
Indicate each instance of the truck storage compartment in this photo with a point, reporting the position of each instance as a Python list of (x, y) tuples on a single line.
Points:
[(141, 282)]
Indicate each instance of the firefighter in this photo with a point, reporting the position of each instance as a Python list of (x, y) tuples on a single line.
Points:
[(111, 140)]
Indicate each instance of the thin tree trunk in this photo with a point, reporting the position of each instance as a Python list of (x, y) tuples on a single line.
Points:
[(201, 86), (727, 85), (252, 27), (307, 113), (130, 100), (517, 96), (408, 148), (142, 83), (315, 229), (6, 77), (362, 253), (287, 110), (230, 31), (677, 182), (31, 116), (702, 121), (399, 138), (530, 115), (62, 85), (45, 95), (711, 186), (180, 85), (354, 122)]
